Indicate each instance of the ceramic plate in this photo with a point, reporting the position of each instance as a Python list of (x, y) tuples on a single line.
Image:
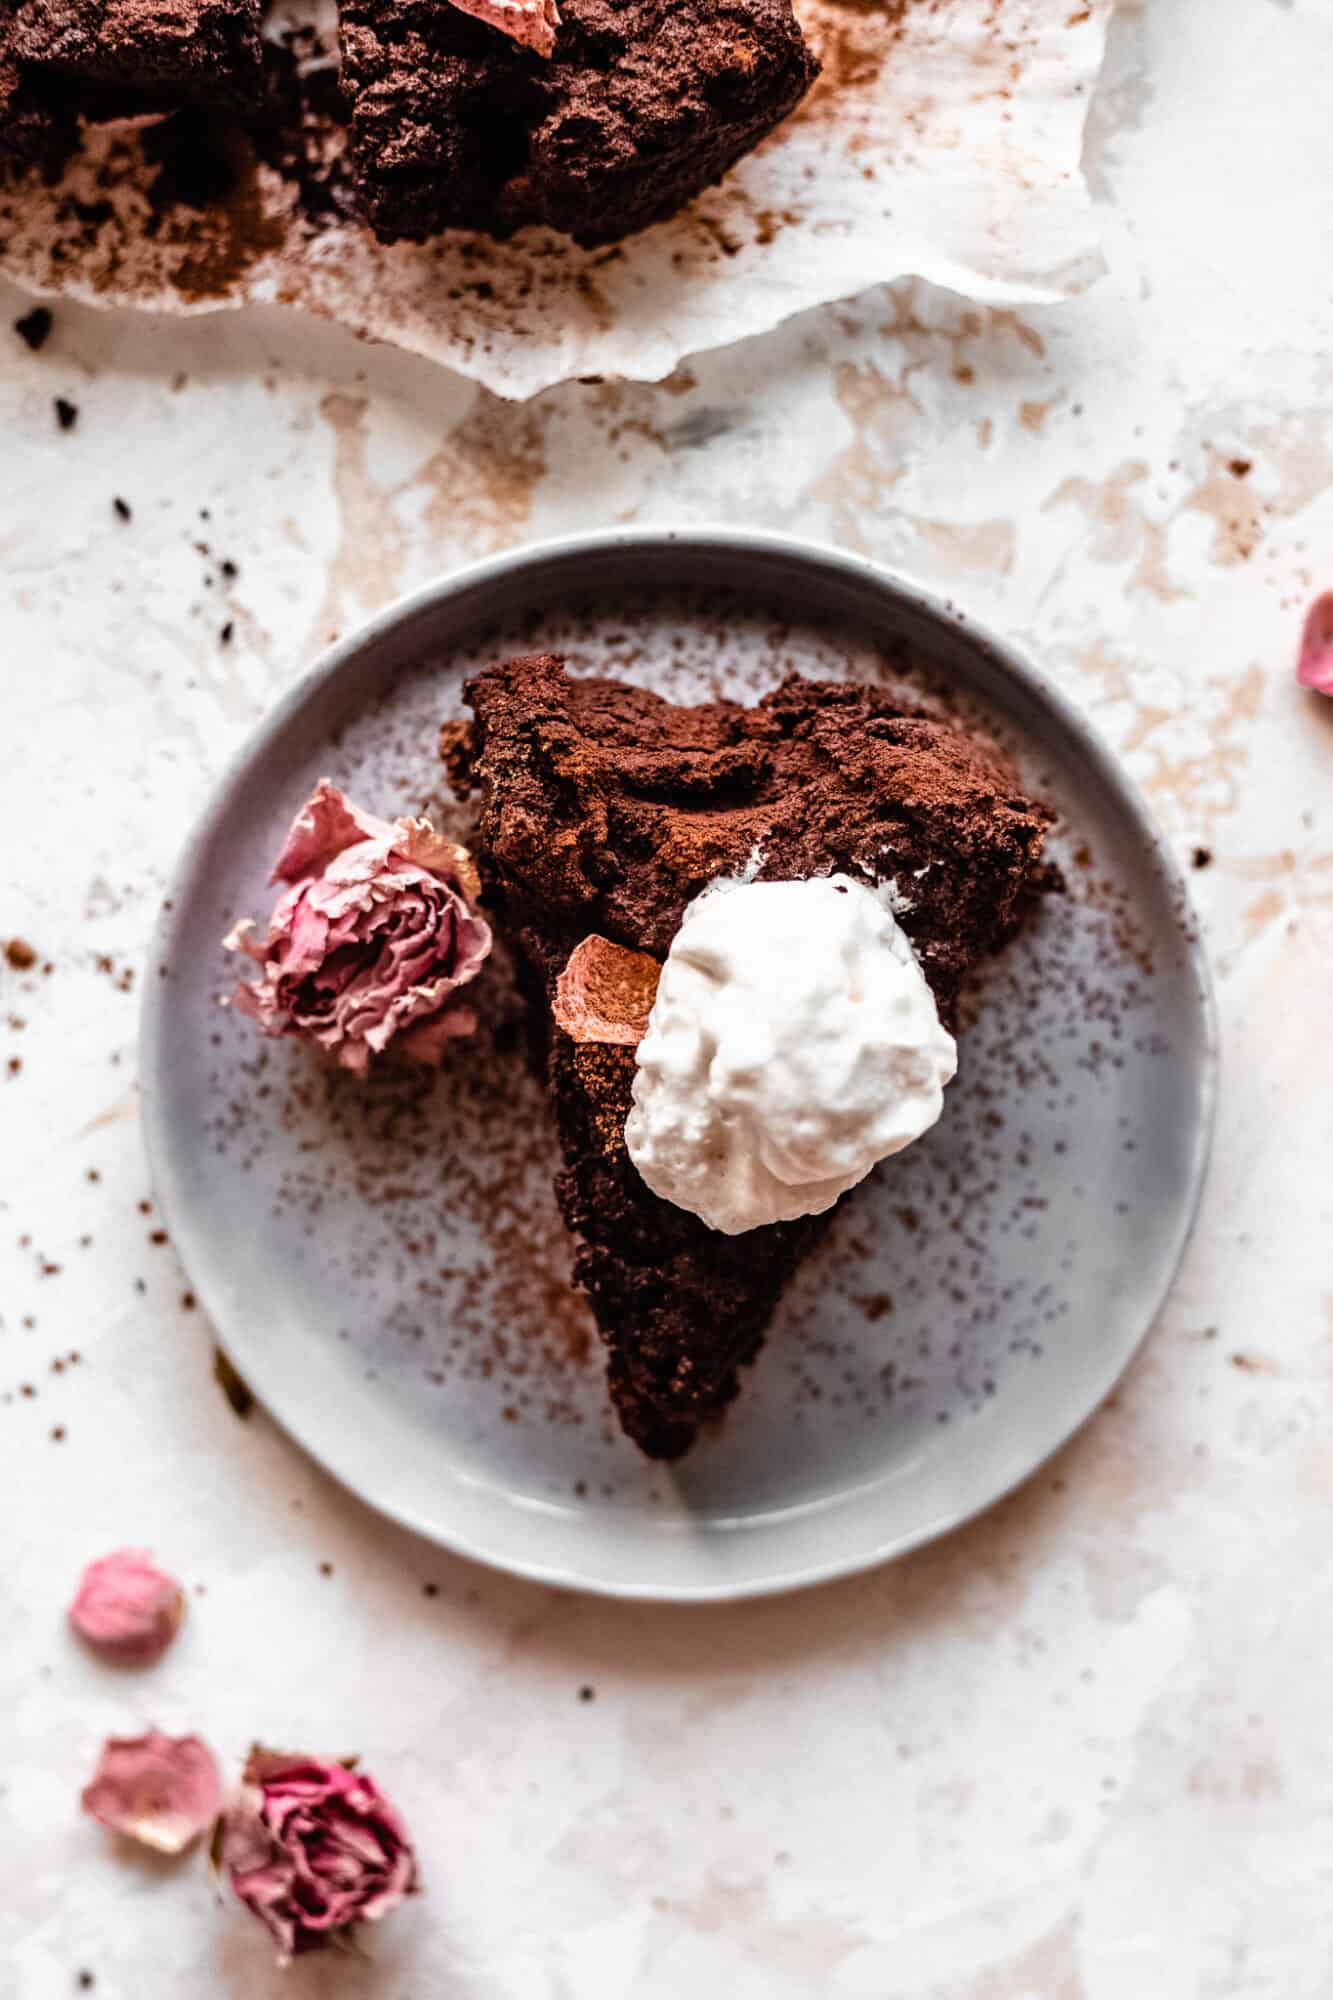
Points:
[(385, 1264)]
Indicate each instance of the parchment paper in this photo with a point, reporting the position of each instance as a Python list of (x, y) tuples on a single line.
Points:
[(942, 140)]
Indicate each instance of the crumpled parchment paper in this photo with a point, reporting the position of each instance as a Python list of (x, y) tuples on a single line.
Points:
[(942, 140)]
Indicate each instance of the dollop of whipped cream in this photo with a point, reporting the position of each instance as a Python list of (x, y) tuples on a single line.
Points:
[(793, 1043)]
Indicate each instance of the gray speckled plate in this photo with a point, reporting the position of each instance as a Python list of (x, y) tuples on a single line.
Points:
[(386, 1266)]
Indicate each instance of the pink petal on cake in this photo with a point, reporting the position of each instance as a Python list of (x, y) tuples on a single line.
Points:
[(1315, 666), (531, 22), (163, 1791), (606, 993)]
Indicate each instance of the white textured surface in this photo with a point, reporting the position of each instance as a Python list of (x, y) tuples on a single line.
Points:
[(1078, 1752)]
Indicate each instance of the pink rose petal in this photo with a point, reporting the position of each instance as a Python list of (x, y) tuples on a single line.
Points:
[(163, 1791), (1315, 667), (371, 940), (532, 23), (127, 1608), (312, 1849), (605, 993)]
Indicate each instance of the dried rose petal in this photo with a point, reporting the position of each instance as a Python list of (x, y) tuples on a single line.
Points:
[(1315, 666), (313, 1848), (163, 1791), (127, 1608), (606, 993), (372, 940), (530, 22)]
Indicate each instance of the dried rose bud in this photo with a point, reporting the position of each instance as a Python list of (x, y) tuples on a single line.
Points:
[(532, 23), (1314, 669), (606, 993), (127, 1608), (163, 1791), (372, 940), (312, 1849)]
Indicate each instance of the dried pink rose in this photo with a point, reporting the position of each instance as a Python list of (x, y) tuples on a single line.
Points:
[(372, 940), (531, 22), (127, 1608), (312, 1849), (1314, 669), (162, 1791)]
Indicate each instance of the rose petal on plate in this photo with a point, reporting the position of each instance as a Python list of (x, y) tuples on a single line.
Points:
[(127, 1608), (374, 935), (1314, 669), (162, 1791), (606, 993)]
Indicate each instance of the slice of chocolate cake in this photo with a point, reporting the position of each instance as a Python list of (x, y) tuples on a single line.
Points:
[(605, 811), (642, 104), (117, 57)]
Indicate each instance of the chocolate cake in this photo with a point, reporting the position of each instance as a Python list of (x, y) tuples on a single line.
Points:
[(116, 57), (642, 104), (606, 810), (35, 131)]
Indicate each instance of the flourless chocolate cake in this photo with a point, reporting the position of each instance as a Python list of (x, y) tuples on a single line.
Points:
[(641, 104), (605, 811)]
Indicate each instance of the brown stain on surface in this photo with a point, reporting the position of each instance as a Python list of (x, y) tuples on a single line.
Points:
[(1286, 467), (1122, 529), (883, 413), (367, 565), (483, 477), (963, 546), (1047, 1969)]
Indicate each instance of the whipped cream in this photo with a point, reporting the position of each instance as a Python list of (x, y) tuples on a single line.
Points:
[(793, 1043)]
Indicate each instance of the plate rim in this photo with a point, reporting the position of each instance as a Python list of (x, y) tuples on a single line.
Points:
[(804, 553)]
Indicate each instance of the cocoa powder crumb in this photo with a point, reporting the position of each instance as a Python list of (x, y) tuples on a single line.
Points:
[(20, 954), (234, 1388), (34, 329)]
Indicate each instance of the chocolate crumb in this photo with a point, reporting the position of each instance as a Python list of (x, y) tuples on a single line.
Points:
[(14, 1065), (20, 954), (1241, 468), (34, 329), (587, 1694), (326, 1569), (122, 509), (430, 1590), (1202, 857), (86, 1981), (229, 569), (225, 635), (57, 1433), (237, 1392), (67, 413), (187, 1302)]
